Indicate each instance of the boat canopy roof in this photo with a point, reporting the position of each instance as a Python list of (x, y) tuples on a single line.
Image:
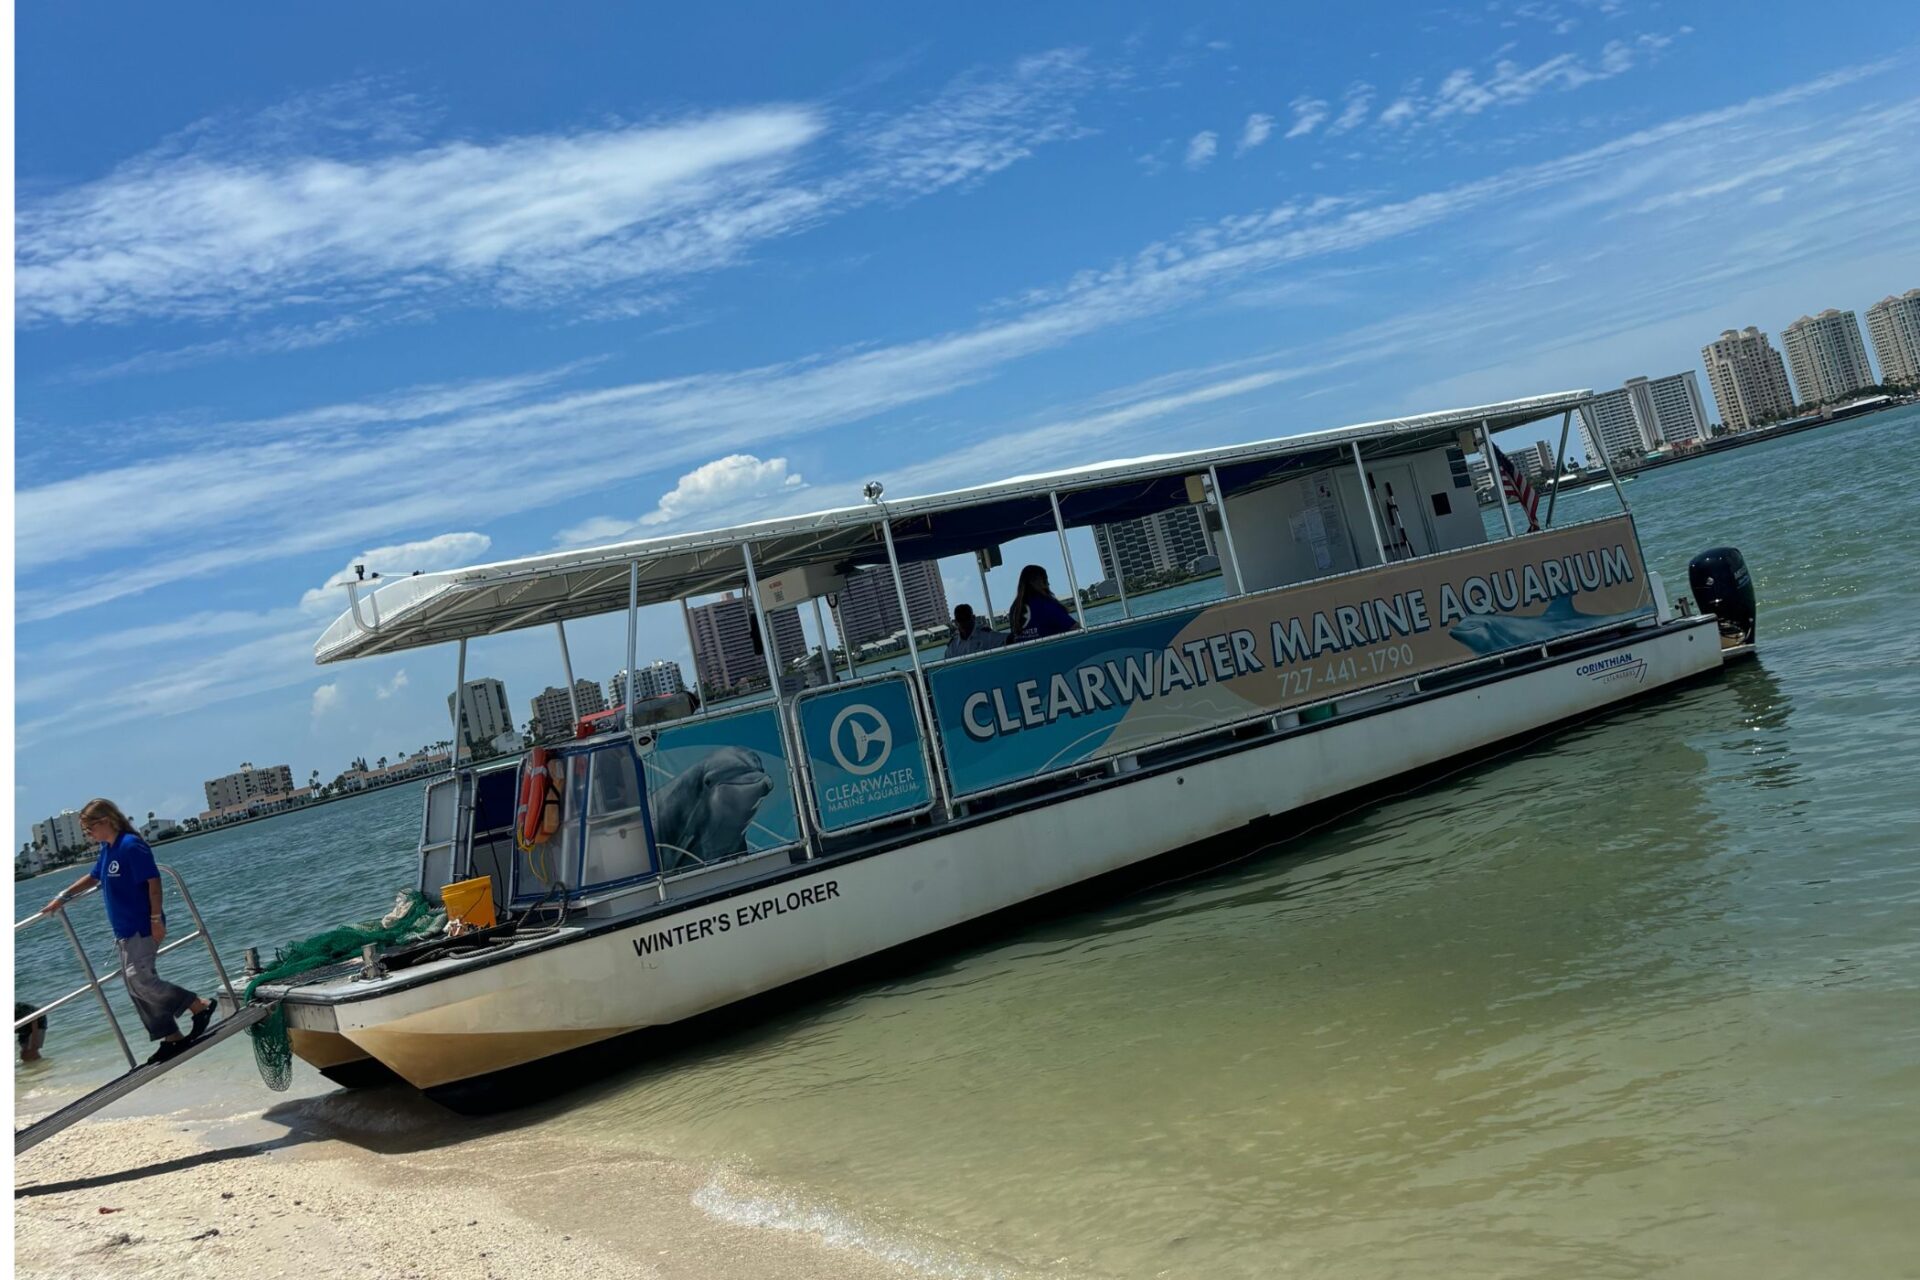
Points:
[(460, 604)]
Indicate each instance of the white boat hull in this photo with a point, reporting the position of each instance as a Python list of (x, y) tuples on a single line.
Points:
[(478, 1020)]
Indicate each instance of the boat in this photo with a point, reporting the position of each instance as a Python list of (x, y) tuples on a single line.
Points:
[(656, 870)]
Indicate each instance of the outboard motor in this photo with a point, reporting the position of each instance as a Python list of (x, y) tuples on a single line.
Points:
[(1723, 587)]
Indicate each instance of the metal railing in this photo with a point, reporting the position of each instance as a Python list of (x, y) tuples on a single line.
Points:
[(97, 985)]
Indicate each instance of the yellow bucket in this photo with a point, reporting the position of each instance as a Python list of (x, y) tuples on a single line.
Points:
[(470, 901)]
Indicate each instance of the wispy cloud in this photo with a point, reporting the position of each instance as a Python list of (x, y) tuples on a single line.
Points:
[(242, 499), (1355, 104), (232, 226), (1256, 131), (1307, 115), (1201, 148), (391, 685)]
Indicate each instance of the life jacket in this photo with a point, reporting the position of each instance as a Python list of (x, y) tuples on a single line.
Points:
[(539, 812)]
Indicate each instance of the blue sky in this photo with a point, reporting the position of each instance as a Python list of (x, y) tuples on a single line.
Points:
[(430, 284)]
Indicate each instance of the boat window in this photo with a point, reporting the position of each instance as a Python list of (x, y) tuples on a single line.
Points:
[(554, 860), (616, 847)]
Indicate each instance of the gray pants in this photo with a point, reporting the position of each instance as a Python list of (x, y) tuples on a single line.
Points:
[(160, 1002)]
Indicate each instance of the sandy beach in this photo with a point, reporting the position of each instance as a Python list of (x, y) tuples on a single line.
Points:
[(333, 1186)]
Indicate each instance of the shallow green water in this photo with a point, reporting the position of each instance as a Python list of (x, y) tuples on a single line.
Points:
[(1638, 1000)]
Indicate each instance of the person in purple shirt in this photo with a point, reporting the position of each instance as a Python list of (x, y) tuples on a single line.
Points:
[(1035, 613), (129, 881)]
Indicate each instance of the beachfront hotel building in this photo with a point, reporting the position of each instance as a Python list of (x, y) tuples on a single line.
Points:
[(869, 609), (1748, 379), (1828, 360), (246, 785), (553, 718), (484, 715), (724, 653), (1894, 325), (655, 680), (1164, 542)]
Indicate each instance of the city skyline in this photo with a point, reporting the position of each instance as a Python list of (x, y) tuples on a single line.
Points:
[(711, 292)]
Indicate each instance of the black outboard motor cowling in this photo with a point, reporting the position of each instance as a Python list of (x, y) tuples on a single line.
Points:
[(1724, 588)]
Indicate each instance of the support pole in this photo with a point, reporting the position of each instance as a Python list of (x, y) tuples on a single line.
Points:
[(1559, 466), (768, 649), (1593, 430), (566, 666), (1226, 530), (693, 655), (1073, 584), (459, 709), (1366, 496), (1493, 474), (846, 645), (945, 787), (93, 980), (633, 629), (820, 627), (986, 596)]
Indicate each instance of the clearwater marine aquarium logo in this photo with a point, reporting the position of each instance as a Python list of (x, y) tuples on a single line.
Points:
[(860, 739)]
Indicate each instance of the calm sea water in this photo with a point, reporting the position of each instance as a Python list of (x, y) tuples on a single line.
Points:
[(1638, 1000)]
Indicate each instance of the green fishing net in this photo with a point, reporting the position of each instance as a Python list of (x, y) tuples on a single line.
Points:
[(412, 918)]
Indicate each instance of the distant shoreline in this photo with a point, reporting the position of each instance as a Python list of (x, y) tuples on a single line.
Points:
[(82, 859)]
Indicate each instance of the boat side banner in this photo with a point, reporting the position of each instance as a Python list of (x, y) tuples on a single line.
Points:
[(718, 788), (864, 757), (1029, 709)]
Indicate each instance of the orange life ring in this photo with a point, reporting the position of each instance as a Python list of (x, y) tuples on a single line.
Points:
[(538, 816)]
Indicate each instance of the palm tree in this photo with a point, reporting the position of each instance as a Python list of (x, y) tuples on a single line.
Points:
[(382, 763)]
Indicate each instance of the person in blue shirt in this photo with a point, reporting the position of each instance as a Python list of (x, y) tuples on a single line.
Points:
[(1035, 613), (130, 885)]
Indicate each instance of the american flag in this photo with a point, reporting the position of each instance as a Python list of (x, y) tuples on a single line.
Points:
[(1514, 482)]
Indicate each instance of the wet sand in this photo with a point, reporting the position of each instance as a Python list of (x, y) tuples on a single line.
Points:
[(324, 1187)]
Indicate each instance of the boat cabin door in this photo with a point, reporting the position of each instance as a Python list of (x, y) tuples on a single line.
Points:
[(441, 830), (1402, 510)]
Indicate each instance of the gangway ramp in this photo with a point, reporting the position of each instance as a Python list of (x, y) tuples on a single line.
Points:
[(114, 1090), (137, 1074)]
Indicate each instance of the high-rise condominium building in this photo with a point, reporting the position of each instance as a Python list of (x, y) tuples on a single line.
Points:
[(248, 784), (655, 680), (1748, 379), (1894, 325), (1828, 360), (869, 609), (553, 718), (483, 712), (1646, 414), (60, 834), (723, 652), (1164, 542)]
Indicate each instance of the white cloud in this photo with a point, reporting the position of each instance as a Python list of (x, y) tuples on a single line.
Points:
[(1201, 148), (442, 551), (240, 500), (1398, 112), (1307, 115), (1256, 131), (243, 224), (325, 698), (392, 685), (1354, 107)]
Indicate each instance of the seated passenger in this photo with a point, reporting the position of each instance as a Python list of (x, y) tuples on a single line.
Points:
[(1035, 613), (970, 636)]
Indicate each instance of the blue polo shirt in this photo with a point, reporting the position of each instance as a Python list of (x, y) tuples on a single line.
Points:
[(123, 869)]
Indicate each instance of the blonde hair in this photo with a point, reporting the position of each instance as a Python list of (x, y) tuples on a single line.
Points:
[(106, 811)]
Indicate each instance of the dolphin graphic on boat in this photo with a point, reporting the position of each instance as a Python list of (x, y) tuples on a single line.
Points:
[(1493, 633), (703, 814)]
